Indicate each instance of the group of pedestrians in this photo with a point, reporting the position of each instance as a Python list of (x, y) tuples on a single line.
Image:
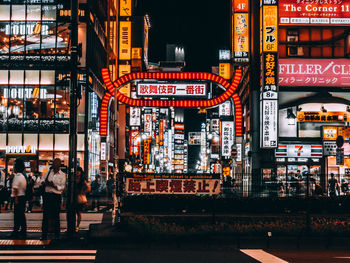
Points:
[(49, 188)]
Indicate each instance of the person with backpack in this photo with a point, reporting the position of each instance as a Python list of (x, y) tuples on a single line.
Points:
[(19, 187)]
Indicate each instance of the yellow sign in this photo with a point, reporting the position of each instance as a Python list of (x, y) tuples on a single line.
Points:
[(241, 34), (125, 40), (330, 133), (124, 69), (225, 70), (125, 8), (319, 116), (270, 28), (147, 151), (136, 53)]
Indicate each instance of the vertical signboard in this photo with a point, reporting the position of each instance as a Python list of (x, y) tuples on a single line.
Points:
[(269, 73), (135, 116), (125, 8), (240, 30), (227, 136), (124, 40), (225, 70), (123, 70), (269, 123)]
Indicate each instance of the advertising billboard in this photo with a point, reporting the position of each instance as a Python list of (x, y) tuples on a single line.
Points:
[(314, 72), (241, 35), (227, 136), (125, 40), (269, 133), (173, 184), (314, 12)]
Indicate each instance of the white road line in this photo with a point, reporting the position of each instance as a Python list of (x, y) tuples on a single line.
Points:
[(262, 256), (48, 251), (2, 258)]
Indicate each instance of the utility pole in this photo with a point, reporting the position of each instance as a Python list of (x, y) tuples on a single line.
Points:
[(71, 197), (255, 96)]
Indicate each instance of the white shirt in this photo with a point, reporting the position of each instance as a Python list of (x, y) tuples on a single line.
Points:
[(19, 183), (2, 179), (59, 179)]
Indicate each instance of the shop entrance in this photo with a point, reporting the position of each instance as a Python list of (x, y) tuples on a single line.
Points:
[(290, 179), (30, 162)]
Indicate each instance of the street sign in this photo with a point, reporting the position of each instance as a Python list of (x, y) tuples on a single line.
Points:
[(340, 156)]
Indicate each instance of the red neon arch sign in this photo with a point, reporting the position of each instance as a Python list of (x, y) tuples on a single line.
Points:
[(114, 86)]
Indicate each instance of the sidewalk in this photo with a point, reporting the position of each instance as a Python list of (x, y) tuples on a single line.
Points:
[(34, 221)]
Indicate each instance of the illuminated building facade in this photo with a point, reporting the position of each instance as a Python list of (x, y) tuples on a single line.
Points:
[(34, 81)]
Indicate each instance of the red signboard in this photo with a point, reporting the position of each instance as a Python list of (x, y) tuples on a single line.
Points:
[(314, 72), (314, 12)]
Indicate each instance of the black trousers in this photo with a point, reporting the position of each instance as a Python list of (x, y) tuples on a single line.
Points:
[(51, 212), (19, 215)]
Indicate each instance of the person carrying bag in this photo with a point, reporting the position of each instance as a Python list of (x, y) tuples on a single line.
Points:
[(82, 188)]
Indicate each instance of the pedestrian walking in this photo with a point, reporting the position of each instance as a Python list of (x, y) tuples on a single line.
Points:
[(333, 186), (95, 194), (3, 190), (54, 182), (82, 188), (8, 183), (18, 193), (30, 193)]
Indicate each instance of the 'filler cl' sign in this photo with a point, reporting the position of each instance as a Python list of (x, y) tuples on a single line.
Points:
[(314, 72)]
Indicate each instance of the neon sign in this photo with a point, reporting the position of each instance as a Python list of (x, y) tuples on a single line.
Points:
[(114, 87)]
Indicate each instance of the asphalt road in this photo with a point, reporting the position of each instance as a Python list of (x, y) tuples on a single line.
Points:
[(96, 253)]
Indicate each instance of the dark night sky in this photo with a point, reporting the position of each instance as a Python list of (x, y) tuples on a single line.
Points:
[(202, 26)]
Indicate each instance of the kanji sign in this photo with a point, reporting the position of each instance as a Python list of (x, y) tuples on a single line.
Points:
[(314, 72), (169, 90), (125, 40), (241, 35), (135, 116), (314, 12), (319, 116), (135, 141), (173, 184), (269, 123), (227, 136), (269, 84)]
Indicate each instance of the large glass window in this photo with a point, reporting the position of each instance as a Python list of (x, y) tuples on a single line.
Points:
[(32, 30), (34, 100)]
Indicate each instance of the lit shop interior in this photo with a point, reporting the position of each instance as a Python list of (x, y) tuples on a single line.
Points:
[(309, 124)]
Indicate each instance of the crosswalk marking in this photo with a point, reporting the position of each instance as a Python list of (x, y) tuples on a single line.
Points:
[(262, 256), (48, 251), (26, 242), (47, 255)]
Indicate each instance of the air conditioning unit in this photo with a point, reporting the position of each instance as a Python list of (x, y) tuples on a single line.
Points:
[(295, 51)]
